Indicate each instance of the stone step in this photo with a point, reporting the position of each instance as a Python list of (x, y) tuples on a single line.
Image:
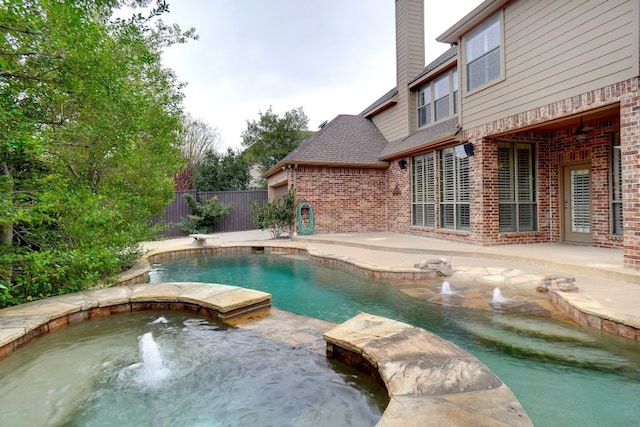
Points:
[(543, 328), (565, 352)]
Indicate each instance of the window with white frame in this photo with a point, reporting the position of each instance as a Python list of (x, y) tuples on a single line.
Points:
[(454, 190), (438, 99), (423, 190), (483, 57), (424, 105), (616, 186), (517, 187)]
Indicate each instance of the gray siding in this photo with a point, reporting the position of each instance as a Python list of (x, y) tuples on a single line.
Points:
[(554, 50)]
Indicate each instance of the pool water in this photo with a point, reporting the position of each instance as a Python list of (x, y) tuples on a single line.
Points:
[(564, 375), (94, 374)]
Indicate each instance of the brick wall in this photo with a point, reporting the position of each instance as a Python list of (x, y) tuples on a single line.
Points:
[(630, 150), (344, 199), (554, 149), (398, 194)]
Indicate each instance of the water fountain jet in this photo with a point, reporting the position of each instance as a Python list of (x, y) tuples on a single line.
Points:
[(446, 289), (498, 298), (152, 368)]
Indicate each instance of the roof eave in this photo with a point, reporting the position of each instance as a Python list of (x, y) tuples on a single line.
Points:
[(380, 108), (377, 165), (471, 20), (445, 139), (430, 75), (276, 168)]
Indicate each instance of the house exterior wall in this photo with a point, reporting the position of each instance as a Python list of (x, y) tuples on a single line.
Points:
[(630, 147), (278, 184), (344, 200), (389, 122), (553, 152), (398, 197), (553, 51)]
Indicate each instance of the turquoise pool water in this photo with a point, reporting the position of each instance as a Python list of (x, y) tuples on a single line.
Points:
[(201, 373), (563, 375)]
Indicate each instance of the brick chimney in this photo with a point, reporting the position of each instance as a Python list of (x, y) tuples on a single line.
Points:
[(409, 58)]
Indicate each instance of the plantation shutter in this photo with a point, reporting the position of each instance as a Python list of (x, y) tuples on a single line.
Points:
[(430, 190), (447, 189), (516, 187), (454, 191), (580, 201), (423, 190), (616, 193), (418, 190), (506, 188), (526, 189)]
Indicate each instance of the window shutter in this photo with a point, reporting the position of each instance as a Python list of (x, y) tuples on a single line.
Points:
[(516, 187), (580, 201), (423, 196)]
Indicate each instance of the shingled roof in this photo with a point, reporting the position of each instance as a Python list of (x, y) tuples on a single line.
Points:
[(347, 140), (446, 56), (434, 134)]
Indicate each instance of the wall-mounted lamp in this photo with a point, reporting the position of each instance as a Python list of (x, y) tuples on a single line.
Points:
[(463, 151), (402, 163), (582, 129)]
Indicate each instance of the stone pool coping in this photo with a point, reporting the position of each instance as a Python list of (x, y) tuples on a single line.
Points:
[(22, 323), (429, 380)]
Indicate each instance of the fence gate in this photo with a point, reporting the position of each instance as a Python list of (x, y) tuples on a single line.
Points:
[(238, 220)]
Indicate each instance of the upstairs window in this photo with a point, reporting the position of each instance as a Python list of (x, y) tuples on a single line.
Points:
[(483, 59), (438, 99), (424, 106)]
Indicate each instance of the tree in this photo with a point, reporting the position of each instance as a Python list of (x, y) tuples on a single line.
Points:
[(88, 125), (271, 138), (196, 141), (226, 172)]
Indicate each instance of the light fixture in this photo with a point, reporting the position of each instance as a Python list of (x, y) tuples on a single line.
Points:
[(402, 163), (582, 129)]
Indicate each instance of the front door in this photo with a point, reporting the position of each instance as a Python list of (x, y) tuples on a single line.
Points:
[(576, 200)]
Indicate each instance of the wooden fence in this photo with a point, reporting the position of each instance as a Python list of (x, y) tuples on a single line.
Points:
[(238, 220)]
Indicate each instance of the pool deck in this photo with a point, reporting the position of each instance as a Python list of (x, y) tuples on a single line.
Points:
[(608, 295)]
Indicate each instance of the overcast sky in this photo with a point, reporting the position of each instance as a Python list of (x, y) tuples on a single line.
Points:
[(329, 57)]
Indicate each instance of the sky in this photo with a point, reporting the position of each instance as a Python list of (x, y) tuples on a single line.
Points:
[(329, 57)]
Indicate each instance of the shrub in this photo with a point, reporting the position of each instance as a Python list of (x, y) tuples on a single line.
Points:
[(276, 215), (203, 216)]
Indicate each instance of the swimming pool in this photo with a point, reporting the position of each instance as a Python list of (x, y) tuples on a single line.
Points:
[(562, 375)]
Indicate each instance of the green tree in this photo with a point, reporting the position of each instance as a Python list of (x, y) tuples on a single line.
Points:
[(221, 172), (271, 138), (89, 120)]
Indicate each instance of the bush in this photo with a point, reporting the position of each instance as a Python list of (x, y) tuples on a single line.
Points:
[(276, 215), (203, 216)]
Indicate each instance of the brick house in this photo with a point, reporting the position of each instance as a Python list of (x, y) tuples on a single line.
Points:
[(526, 130)]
